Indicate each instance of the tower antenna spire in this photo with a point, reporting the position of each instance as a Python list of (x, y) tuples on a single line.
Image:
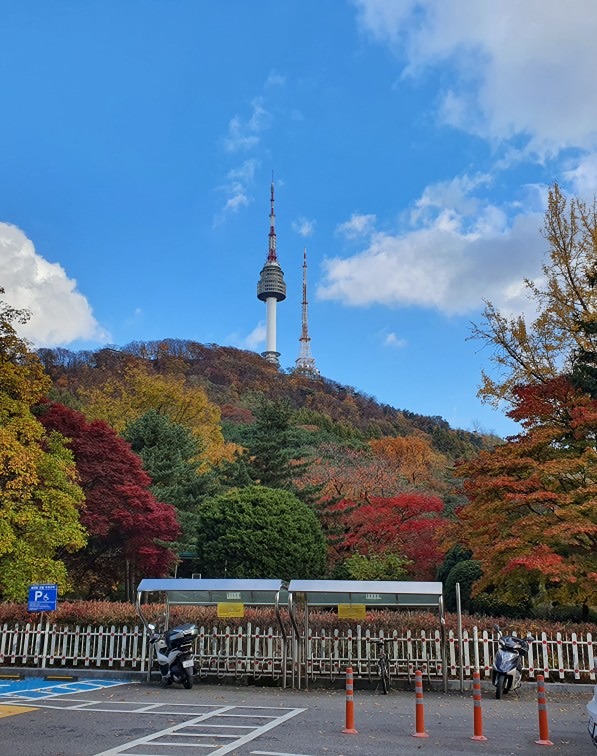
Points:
[(271, 287), (305, 364), (272, 254)]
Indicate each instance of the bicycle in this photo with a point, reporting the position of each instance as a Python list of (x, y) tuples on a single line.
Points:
[(383, 664)]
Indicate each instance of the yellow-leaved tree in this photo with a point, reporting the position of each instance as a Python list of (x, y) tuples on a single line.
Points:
[(39, 495), (414, 459), (536, 352), (122, 398)]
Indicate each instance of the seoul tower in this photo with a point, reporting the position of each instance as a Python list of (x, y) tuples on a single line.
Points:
[(271, 288), (305, 364)]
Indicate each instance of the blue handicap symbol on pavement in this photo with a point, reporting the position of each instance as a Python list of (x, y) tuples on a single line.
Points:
[(36, 687)]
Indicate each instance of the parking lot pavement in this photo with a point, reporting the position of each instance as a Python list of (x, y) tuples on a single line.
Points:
[(215, 720)]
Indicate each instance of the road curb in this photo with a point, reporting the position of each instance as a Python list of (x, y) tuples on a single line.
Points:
[(137, 676)]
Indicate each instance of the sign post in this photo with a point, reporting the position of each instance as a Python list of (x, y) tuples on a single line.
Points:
[(42, 598)]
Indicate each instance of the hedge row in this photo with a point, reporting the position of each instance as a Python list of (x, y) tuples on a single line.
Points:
[(114, 613)]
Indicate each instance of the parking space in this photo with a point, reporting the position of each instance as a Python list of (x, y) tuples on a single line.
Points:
[(36, 688), (141, 719)]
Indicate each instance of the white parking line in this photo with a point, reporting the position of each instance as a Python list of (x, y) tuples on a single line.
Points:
[(161, 733), (196, 723), (251, 736), (174, 737), (278, 753)]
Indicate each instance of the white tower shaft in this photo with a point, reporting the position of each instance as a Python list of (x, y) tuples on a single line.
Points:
[(270, 325)]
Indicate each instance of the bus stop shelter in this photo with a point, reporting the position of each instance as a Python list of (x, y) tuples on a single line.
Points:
[(230, 596), (352, 599)]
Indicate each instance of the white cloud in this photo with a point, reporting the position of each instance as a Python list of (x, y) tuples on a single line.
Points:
[(583, 176), (256, 337), (455, 194), (238, 200), (513, 70), (237, 138), (59, 313), (456, 256), (518, 75), (245, 134), (394, 341), (275, 80), (237, 188), (358, 225), (303, 226)]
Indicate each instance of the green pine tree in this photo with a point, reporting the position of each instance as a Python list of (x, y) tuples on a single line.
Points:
[(171, 455), (275, 456)]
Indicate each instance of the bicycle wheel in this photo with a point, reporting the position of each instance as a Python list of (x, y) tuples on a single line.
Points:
[(384, 675)]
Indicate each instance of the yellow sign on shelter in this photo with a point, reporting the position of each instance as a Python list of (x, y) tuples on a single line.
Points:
[(352, 611), (231, 609)]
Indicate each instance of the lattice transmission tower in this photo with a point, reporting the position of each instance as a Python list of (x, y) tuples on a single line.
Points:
[(305, 364)]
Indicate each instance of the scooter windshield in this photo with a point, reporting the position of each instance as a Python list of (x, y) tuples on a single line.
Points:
[(506, 660)]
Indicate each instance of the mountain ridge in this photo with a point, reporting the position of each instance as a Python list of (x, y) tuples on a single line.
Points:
[(234, 379)]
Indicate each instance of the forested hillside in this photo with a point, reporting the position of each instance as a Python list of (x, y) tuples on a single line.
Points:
[(235, 380), (199, 458)]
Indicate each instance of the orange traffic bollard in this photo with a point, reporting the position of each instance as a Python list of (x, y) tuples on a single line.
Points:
[(419, 711), (349, 729), (541, 703), (477, 713)]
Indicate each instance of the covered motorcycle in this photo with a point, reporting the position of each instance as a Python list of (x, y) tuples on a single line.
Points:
[(174, 650), (506, 671)]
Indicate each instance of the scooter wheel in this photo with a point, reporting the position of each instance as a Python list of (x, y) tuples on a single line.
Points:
[(188, 680), (500, 683)]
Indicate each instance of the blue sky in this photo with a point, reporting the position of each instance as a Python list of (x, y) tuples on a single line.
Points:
[(412, 144)]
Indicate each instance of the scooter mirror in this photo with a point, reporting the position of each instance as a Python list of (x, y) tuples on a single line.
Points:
[(496, 628), (151, 626), (530, 637)]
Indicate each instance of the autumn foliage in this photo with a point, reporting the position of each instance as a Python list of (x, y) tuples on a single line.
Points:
[(39, 495), (412, 457), (409, 524), (128, 529), (123, 396), (532, 517)]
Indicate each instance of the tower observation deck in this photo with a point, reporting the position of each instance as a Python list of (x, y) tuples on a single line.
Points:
[(271, 288)]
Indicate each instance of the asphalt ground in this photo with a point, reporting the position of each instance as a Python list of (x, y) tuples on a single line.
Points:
[(141, 719)]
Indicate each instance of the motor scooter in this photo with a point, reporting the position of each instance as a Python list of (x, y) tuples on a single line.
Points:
[(506, 671), (592, 712), (174, 653)]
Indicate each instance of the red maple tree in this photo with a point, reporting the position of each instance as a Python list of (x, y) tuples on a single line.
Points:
[(409, 524), (131, 534)]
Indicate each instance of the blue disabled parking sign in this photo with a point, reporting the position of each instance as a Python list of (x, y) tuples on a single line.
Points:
[(43, 598)]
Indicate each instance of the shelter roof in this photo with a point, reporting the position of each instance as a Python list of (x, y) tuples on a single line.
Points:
[(372, 593), (202, 591)]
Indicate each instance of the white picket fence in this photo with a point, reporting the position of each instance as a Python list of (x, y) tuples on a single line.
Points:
[(255, 652), (46, 645)]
